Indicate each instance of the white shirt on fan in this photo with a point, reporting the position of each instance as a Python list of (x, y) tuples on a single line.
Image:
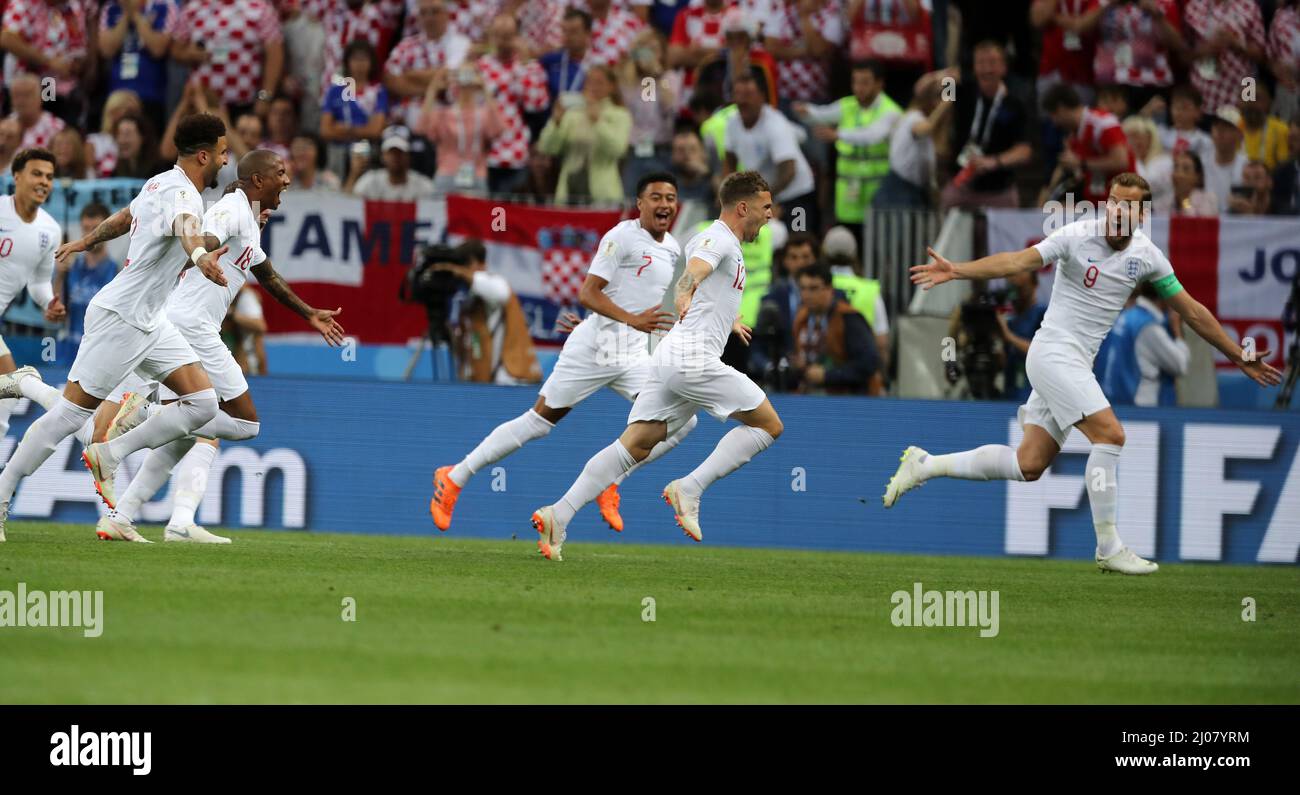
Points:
[(771, 141), (26, 254), (155, 257), (703, 333), (200, 304), (1220, 180), (1092, 284), (638, 269)]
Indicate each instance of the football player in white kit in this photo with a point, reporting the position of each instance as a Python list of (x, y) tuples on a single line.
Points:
[(28, 238), (197, 308), (1099, 264), (687, 374), (624, 289), (125, 327)]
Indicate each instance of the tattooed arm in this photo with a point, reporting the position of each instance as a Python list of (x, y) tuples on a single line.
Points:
[(695, 272), (320, 319), (114, 226)]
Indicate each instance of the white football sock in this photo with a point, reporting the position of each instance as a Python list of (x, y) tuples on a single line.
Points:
[(504, 440), (168, 424), (86, 433), (40, 392), (153, 474), (224, 426), (733, 451), (1103, 490), (601, 470), (661, 448), (990, 462), (6, 408), (44, 435), (189, 484)]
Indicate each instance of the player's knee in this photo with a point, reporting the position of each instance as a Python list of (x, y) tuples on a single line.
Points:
[(201, 406), (1032, 466), (775, 428)]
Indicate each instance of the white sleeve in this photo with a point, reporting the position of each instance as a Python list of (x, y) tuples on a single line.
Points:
[(824, 114), (605, 264), (873, 133), (39, 286), (1056, 245), (709, 250), (219, 222), (782, 139), (1156, 345), (248, 304), (881, 325), (490, 287)]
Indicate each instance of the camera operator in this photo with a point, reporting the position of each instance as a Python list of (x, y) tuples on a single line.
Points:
[(980, 352), (490, 335), (1018, 331), (835, 351), (772, 342)]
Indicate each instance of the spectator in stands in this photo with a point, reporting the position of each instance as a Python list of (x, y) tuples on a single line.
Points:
[(304, 50), (462, 129), (1184, 132), (488, 310), (743, 54), (1264, 136), (865, 121), (1144, 353), (395, 181), (566, 67), (101, 148), (840, 254), (281, 126), (690, 165), (804, 35), (1096, 151), (1066, 54), (49, 38), (990, 135), (697, 37), (765, 141), (540, 22), (11, 136), (910, 181), (1113, 100), (38, 125), (77, 281), (1226, 169), (434, 49), (1284, 57), (1255, 194), (235, 48), (135, 36), (1190, 195), (137, 149), (1153, 163), (1286, 179), (1018, 331), (70, 155), (1225, 44), (589, 139), (649, 93), (518, 84), (876, 29), (834, 351), (1135, 43), (306, 163), (354, 111), (612, 31)]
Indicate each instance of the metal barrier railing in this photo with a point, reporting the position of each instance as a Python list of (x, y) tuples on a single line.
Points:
[(892, 242)]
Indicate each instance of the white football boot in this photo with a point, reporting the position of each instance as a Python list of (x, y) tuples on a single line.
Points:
[(110, 529), (907, 476), (686, 510), (552, 536), (1126, 562), (4, 517), (96, 458), (9, 381), (133, 411), (193, 534)]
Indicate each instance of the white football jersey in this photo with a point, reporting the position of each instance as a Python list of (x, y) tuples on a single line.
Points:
[(1093, 281), (200, 304), (638, 269), (155, 257), (26, 253), (716, 304)]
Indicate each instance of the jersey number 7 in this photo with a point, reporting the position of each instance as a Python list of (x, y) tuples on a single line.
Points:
[(648, 260)]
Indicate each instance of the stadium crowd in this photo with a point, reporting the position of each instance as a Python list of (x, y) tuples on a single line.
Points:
[(843, 105)]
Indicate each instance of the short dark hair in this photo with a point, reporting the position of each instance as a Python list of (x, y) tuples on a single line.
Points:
[(578, 13), (819, 271), (29, 154), (355, 46), (473, 251), (875, 67), (1130, 179), (197, 132), (742, 79), (740, 186), (1196, 164), (1061, 95), (652, 177), (95, 210), (1188, 92), (1113, 89), (991, 44), (802, 239)]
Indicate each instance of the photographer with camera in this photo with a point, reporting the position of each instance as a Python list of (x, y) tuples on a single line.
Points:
[(1018, 331), (981, 348), (835, 352), (474, 312)]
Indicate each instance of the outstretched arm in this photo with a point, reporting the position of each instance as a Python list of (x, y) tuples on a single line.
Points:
[(111, 227), (320, 319), (940, 270), (1203, 323)]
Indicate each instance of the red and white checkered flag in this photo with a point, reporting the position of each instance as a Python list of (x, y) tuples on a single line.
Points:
[(563, 271)]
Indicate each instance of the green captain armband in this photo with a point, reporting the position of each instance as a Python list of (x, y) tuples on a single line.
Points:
[(1168, 286)]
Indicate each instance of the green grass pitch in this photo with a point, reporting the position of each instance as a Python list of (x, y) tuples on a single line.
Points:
[(455, 620)]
